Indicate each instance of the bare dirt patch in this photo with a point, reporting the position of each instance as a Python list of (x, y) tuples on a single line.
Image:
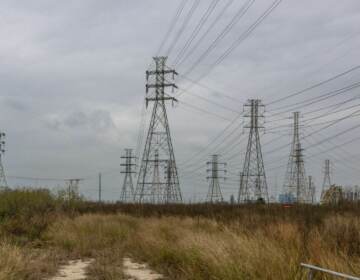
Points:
[(137, 271), (74, 270)]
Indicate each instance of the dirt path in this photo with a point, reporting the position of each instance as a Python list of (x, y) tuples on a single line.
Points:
[(74, 270), (138, 271)]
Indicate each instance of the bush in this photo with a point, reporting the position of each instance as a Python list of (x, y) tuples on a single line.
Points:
[(26, 213)]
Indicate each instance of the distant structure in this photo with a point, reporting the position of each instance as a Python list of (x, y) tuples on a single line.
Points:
[(327, 180), (311, 190), (253, 185), (352, 193), (127, 191), (73, 189), (295, 185), (214, 194), (158, 152), (3, 182)]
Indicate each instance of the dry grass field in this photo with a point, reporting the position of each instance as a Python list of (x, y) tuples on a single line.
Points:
[(39, 232)]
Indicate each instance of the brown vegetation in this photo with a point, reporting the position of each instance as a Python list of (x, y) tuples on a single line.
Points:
[(39, 230)]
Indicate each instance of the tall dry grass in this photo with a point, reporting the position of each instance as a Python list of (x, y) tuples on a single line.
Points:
[(39, 230), (188, 248), (18, 262)]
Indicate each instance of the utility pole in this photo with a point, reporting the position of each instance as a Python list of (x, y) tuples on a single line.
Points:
[(3, 181), (327, 180), (295, 185), (100, 187), (127, 191), (158, 139), (214, 193), (253, 186)]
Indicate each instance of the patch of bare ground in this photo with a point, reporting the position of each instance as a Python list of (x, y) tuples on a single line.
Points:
[(74, 270), (137, 271)]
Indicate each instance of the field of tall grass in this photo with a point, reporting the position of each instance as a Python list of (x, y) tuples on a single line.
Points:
[(39, 231)]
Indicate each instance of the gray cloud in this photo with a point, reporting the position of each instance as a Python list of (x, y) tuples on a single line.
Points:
[(97, 121), (72, 78)]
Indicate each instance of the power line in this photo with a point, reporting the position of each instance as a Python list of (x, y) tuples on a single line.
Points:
[(203, 110), (213, 140), (212, 102), (233, 21), (196, 31), (314, 85), (36, 178), (211, 26), (236, 43), (316, 99), (211, 89), (317, 131), (245, 35), (183, 26), (176, 17), (336, 105)]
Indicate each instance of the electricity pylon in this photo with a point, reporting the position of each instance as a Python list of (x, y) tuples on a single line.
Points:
[(295, 184), (253, 180), (127, 191), (3, 182), (327, 180), (214, 193), (158, 140)]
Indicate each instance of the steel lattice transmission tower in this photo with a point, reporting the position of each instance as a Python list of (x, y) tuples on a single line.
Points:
[(214, 193), (253, 179), (3, 181), (127, 191), (158, 152), (327, 180), (295, 185)]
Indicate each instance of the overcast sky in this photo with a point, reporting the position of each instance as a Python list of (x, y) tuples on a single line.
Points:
[(72, 79)]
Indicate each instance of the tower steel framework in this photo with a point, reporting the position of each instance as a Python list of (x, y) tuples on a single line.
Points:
[(327, 180), (253, 185), (127, 191), (214, 193), (158, 152), (295, 184)]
